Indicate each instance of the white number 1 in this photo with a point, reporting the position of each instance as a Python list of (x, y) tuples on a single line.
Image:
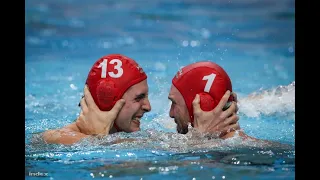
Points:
[(210, 79), (104, 65)]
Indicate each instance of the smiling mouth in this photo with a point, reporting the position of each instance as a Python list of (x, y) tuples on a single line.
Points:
[(136, 120)]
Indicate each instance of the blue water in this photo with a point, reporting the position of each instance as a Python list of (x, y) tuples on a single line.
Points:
[(252, 40)]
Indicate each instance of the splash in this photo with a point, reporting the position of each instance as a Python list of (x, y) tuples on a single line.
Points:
[(278, 100), (155, 141)]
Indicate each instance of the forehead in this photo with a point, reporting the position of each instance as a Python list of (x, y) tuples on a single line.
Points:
[(175, 94), (173, 90), (139, 88)]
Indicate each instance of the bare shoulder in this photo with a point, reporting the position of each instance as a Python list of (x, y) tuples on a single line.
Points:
[(66, 135)]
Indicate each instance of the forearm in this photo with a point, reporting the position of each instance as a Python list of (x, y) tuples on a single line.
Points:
[(93, 126)]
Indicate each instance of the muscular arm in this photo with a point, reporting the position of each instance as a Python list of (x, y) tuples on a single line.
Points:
[(68, 136), (259, 142), (90, 123)]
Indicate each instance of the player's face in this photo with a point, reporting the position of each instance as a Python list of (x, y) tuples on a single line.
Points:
[(179, 110), (137, 103)]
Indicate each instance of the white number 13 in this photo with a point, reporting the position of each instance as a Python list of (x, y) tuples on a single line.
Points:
[(210, 79), (104, 65)]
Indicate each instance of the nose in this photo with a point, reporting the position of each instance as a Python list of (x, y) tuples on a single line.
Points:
[(171, 114), (146, 105)]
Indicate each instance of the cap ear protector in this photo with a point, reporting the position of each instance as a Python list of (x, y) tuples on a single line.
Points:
[(106, 93), (110, 77), (205, 78), (207, 103)]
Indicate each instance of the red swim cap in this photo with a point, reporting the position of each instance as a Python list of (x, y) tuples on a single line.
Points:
[(110, 77), (205, 78)]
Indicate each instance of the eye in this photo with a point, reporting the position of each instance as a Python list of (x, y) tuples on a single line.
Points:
[(140, 97), (137, 99), (172, 105), (173, 102)]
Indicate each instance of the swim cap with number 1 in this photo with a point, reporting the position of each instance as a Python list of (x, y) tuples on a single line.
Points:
[(205, 78)]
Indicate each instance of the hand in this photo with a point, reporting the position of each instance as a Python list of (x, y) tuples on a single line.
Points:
[(216, 122), (92, 120)]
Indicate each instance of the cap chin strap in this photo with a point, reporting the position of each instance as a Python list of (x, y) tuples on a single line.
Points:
[(117, 127)]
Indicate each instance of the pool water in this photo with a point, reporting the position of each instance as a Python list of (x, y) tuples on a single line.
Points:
[(252, 40)]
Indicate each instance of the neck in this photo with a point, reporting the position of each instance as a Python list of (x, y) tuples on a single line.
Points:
[(113, 130)]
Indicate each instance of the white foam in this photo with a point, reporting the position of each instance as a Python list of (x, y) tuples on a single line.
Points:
[(280, 99)]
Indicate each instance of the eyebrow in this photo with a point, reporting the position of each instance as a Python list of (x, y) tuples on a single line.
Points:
[(170, 98)]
